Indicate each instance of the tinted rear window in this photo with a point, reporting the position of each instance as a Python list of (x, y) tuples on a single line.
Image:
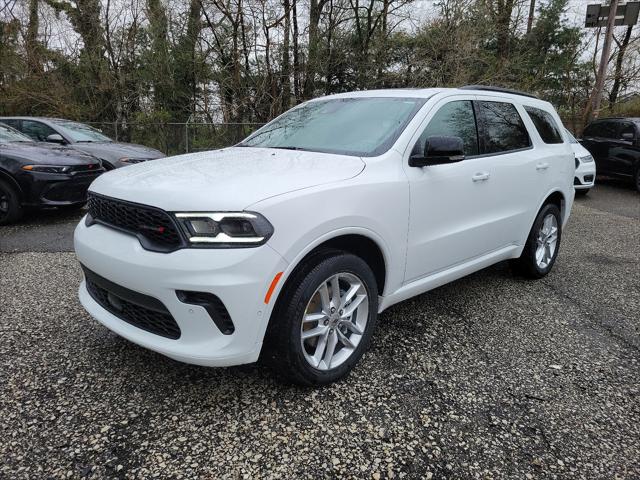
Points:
[(545, 125), (503, 129)]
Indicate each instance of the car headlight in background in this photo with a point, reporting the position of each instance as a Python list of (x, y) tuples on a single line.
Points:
[(48, 168), (220, 229), (586, 159)]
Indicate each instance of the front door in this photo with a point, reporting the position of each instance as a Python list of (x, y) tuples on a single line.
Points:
[(624, 153)]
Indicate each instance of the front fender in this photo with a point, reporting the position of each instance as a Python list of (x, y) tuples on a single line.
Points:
[(378, 210)]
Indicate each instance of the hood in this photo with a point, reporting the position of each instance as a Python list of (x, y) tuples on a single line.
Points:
[(45, 154), (579, 150), (227, 180), (115, 150)]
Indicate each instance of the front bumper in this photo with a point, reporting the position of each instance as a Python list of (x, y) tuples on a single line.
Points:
[(585, 175), (240, 278), (53, 189)]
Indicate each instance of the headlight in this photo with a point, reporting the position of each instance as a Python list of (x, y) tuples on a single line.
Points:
[(225, 229), (48, 168), (586, 159)]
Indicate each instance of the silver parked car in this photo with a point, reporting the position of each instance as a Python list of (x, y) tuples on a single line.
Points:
[(83, 138)]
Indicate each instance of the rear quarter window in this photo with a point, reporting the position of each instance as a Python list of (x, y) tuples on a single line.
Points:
[(545, 125), (502, 128)]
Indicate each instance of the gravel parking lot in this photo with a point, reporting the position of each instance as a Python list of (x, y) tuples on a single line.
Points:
[(489, 377)]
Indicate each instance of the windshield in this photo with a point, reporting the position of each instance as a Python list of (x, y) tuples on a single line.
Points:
[(572, 139), (79, 132), (8, 134), (351, 126)]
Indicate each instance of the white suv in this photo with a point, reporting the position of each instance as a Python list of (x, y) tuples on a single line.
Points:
[(288, 245)]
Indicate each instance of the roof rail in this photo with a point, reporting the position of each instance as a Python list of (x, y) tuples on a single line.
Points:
[(497, 89)]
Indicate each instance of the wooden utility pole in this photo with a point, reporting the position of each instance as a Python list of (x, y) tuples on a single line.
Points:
[(593, 107), (532, 12)]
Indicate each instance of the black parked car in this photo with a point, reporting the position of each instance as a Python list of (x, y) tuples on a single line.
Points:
[(39, 175), (84, 138), (614, 143)]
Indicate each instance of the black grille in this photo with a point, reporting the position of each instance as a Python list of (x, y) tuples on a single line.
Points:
[(155, 228), (139, 310)]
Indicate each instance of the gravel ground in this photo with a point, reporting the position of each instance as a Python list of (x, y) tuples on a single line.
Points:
[(488, 377)]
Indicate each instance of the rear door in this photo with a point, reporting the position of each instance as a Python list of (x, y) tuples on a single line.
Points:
[(518, 174)]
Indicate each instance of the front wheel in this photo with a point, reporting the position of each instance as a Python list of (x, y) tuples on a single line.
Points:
[(10, 207), (541, 250), (324, 320)]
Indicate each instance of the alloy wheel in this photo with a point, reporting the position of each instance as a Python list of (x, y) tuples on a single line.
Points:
[(4, 203), (334, 321), (546, 241)]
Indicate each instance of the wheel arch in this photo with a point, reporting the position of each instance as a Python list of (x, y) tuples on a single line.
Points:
[(556, 198), (4, 175), (360, 242)]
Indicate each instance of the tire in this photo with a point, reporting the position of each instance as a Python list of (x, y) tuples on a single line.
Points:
[(10, 207), (531, 264), (295, 358), (636, 178)]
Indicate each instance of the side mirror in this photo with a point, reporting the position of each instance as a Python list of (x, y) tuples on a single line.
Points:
[(55, 138), (627, 136), (439, 150)]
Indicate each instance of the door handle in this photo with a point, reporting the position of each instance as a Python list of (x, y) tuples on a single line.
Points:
[(480, 177), (542, 166)]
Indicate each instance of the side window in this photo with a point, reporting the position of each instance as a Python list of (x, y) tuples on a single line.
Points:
[(592, 130), (37, 130), (12, 123), (502, 128), (545, 125), (607, 130), (455, 119), (627, 131)]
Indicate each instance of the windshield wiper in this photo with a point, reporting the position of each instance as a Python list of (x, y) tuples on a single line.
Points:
[(286, 147)]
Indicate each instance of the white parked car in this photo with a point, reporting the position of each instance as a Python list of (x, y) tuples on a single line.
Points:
[(585, 176), (289, 244)]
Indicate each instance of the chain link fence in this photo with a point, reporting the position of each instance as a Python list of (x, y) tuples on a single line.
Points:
[(177, 138)]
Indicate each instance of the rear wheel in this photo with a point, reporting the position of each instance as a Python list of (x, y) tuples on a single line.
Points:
[(10, 208), (324, 320), (637, 179), (541, 250)]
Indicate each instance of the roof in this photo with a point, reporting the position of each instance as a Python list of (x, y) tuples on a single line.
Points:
[(429, 92), (629, 119), (46, 119)]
